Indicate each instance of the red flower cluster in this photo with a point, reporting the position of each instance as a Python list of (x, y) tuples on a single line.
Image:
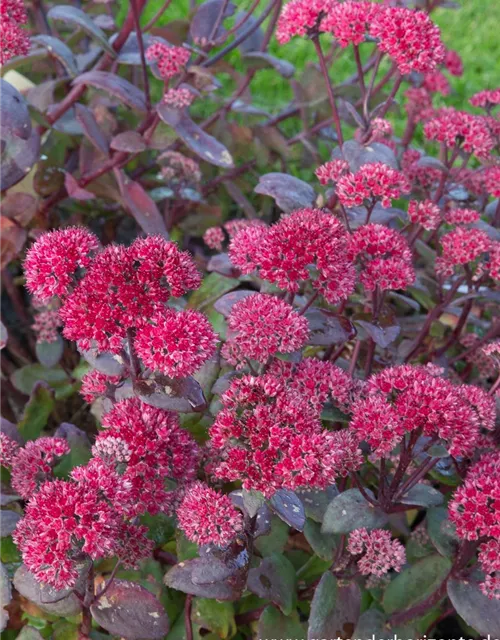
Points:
[(461, 216), (486, 99), (170, 60), (301, 17), (379, 552), (436, 82), (208, 517), (178, 98), (53, 261), (349, 22), (8, 450), (410, 38), (331, 171), (285, 253), (261, 326), (419, 104), (461, 246), (372, 182), (95, 384), (14, 40), (492, 181), (420, 177), (269, 435), (425, 213), (47, 322), (176, 343), (453, 63), (384, 255), (474, 510), (214, 237), (461, 129), (406, 398), (154, 447)]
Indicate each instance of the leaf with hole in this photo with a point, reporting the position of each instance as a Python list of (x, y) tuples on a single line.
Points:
[(334, 609), (183, 395), (274, 580)]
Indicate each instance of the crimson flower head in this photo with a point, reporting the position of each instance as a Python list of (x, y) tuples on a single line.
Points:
[(372, 182), (95, 383), (14, 40), (214, 237), (301, 18), (53, 261), (349, 22), (379, 553), (208, 517), (8, 450), (461, 216), (453, 63), (418, 106), (331, 171), (492, 181), (286, 253), (461, 246), (384, 256), (409, 37), (437, 82), (486, 99), (458, 128), (262, 325), (175, 343), (178, 98), (170, 60), (425, 213)]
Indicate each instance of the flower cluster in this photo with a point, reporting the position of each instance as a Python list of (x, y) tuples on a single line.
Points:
[(436, 82), (372, 182), (492, 181), (331, 171), (461, 129), (406, 398), (419, 104), (170, 60), (461, 247), (177, 168), (301, 17), (47, 322), (349, 22), (214, 237), (14, 40), (8, 450), (178, 98), (262, 325), (384, 256), (208, 517), (379, 552), (269, 434), (461, 216), (486, 99), (474, 510), (453, 63), (285, 253), (426, 213), (96, 384)]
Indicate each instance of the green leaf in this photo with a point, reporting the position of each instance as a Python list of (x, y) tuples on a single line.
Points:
[(274, 580), (349, 511), (323, 544), (8, 551), (423, 495), (316, 501), (213, 287), (371, 622), (49, 353), (275, 541), (273, 624), (215, 616), (441, 531), (334, 609), (25, 378), (415, 583), (36, 412), (474, 607)]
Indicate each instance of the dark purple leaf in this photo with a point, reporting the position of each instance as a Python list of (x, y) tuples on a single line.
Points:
[(78, 18), (106, 363), (11, 430), (20, 207), (180, 577), (226, 303), (289, 193), (316, 502), (9, 522), (130, 611), (12, 239), (141, 206), (255, 40), (129, 141), (91, 129), (274, 580), (260, 60), (240, 106), (433, 163), (289, 508), (383, 336), (223, 383), (130, 52), (204, 145), (14, 115), (474, 607), (115, 85), (60, 603), (423, 495), (221, 263), (18, 156), (183, 395), (334, 609), (75, 436), (74, 190), (327, 327), (59, 50), (351, 115), (380, 215), (357, 155), (241, 200), (205, 19), (349, 511)]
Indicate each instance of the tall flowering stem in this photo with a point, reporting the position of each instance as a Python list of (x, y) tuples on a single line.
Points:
[(329, 88)]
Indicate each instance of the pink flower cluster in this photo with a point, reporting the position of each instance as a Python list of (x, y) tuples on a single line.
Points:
[(123, 292), (349, 22), (379, 552), (474, 510), (453, 63), (461, 216), (486, 99), (371, 183), (269, 433), (285, 253), (95, 384), (261, 326), (425, 213), (492, 181), (176, 167), (419, 104), (214, 237), (178, 98), (301, 17), (208, 517), (461, 247), (421, 178), (407, 398), (384, 256), (47, 322), (331, 171), (461, 129), (170, 60), (14, 40)]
